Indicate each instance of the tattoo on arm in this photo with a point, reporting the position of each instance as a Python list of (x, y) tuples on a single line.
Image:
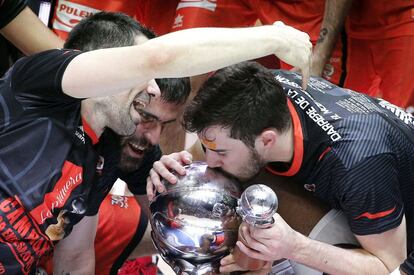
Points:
[(322, 35)]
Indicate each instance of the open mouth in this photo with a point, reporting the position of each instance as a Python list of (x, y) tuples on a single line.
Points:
[(136, 151)]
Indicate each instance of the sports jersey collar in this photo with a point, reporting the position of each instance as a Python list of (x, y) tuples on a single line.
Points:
[(298, 145), (88, 130)]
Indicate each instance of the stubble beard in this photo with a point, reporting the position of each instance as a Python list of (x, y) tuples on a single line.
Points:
[(252, 167)]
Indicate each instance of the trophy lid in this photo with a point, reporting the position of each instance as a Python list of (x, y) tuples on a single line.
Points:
[(257, 205)]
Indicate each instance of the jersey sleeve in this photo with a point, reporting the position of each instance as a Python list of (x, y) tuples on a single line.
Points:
[(137, 181), (408, 265), (370, 196), (40, 75), (9, 9)]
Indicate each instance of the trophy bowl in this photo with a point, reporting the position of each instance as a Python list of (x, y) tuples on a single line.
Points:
[(194, 222)]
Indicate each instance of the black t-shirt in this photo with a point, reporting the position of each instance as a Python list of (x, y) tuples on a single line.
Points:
[(353, 151), (47, 159), (109, 155), (9, 9), (408, 265)]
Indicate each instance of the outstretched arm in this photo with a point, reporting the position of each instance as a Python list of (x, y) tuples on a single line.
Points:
[(29, 34), (332, 24), (183, 53)]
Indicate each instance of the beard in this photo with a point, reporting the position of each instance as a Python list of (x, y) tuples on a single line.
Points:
[(133, 151), (251, 167)]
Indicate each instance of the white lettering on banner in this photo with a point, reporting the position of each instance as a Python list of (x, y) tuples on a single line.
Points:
[(312, 113), (202, 4), (284, 80), (407, 118), (80, 134), (68, 14), (324, 124)]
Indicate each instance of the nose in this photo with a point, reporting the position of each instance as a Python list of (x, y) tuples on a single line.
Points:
[(153, 134), (153, 88), (213, 159)]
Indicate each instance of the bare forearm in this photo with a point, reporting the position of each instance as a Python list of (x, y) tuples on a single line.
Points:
[(33, 39), (332, 24), (197, 51), (335, 260), (67, 262), (183, 53)]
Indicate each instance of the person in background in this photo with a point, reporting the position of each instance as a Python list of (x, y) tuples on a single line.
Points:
[(15, 18), (380, 47)]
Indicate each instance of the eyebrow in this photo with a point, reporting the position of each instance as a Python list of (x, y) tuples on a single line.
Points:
[(157, 118), (214, 150)]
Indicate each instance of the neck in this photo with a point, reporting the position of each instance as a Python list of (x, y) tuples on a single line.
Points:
[(92, 115), (283, 148)]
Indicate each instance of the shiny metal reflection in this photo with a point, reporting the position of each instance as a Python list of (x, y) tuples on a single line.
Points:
[(257, 205), (194, 222)]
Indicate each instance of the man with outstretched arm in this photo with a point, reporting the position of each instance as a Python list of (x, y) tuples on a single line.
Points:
[(56, 105)]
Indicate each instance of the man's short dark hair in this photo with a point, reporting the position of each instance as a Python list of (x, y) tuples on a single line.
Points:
[(106, 30), (245, 98), (174, 90)]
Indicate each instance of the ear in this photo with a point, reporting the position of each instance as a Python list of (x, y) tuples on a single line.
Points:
[(266, 139)]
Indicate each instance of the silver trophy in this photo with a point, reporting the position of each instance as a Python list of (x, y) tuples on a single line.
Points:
[(194, 222), (256, 207)]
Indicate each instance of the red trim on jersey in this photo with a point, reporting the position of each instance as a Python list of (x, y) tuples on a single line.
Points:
[(327, 150), (375, 215), (72, 176), (298, 145), (90, 132)]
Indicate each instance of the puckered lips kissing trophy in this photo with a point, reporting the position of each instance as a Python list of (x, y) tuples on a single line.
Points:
[(195, 222)]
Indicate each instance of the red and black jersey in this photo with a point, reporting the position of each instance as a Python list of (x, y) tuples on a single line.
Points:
[(47, 159), (353, 151), (109, 151)]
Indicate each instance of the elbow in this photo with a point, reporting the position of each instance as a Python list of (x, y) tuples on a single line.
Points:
[(159, 57)]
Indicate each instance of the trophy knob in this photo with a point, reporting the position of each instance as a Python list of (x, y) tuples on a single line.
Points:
[(257, 205)]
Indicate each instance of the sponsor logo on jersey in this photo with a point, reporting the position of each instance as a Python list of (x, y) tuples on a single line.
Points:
[(80, 134), (178, 21), (70, 179), (21, 235), (121, 201), (69, 14), (210, 5), (310, 187)]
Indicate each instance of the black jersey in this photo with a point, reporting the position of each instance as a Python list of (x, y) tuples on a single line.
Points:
[(47, 159), (408, 265), (9, 9), (353, 151), (108, 172)]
